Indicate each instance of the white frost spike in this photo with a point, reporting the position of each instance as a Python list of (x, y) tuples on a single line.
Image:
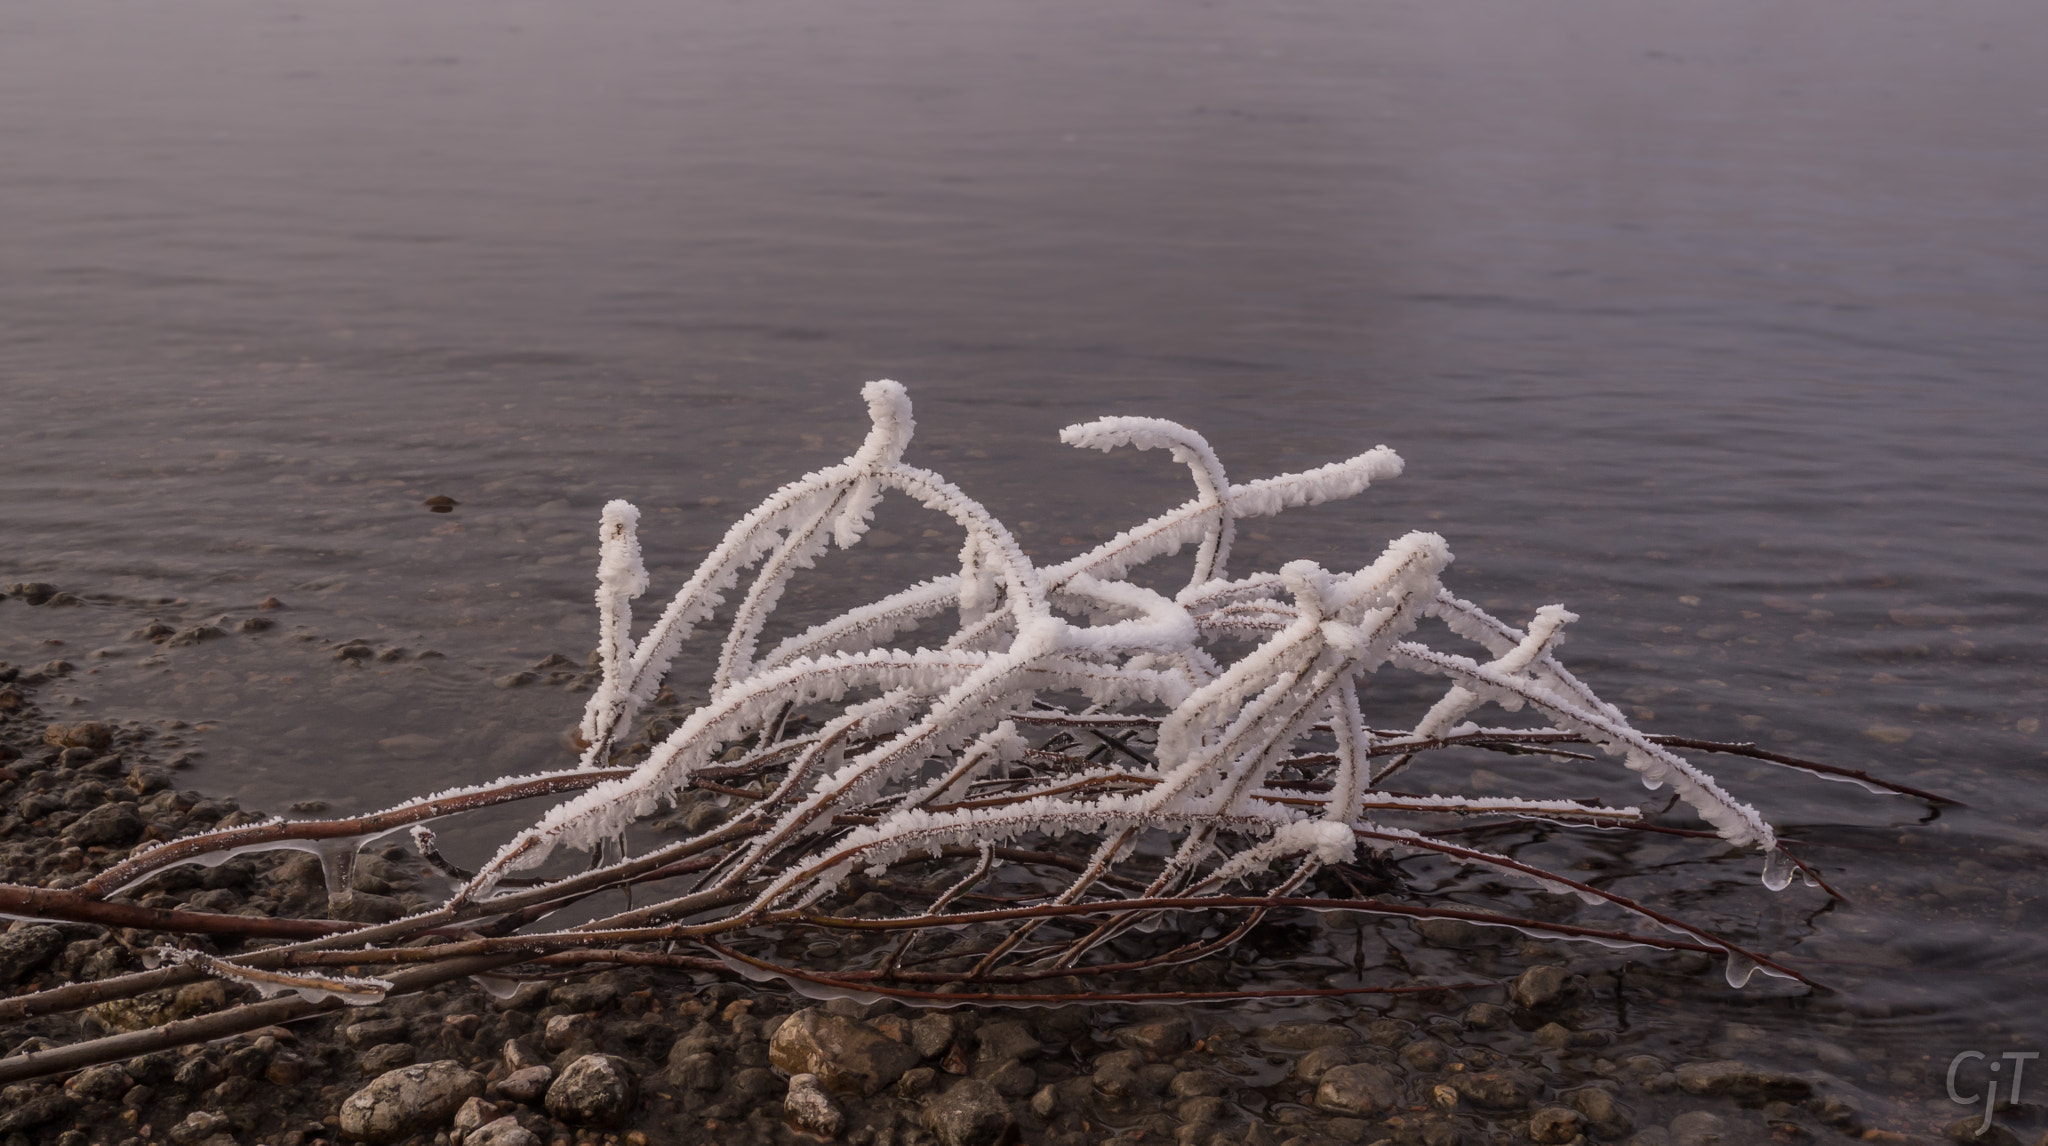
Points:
[(621, 577)]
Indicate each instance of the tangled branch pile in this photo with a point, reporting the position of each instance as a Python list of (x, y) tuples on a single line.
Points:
[(998, 814)]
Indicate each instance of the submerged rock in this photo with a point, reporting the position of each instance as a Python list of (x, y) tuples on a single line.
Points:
[(846, 1055)]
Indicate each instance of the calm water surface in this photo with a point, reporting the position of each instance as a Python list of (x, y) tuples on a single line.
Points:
[(1721, 324)]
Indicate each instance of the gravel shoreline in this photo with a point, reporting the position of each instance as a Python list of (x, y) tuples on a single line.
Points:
[(638, 1056)]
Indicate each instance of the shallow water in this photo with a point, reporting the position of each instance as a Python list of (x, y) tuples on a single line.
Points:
[(1719, 324)]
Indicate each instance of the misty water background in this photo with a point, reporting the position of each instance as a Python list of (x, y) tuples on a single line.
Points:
[(1724, 325)]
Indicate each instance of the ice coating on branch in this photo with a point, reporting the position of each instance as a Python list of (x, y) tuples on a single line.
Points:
[(312, 987), (863, 753)]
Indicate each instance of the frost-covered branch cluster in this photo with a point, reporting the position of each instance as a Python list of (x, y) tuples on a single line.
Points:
[(1066, 756)]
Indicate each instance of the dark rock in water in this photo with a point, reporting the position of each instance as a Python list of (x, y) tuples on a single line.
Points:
[(1540, 986), (109, 825), (1306, 1036), (363, 907), (1966, 1130), (1457, 934), (194, 635), (85, 734), (1698, 1128), (1498, 1089), (1554, 1124), (505, 1131), (144, 780), (810, 1109), (407, 1101), (1013, 1079), (1359, 1088), (1732, 1079), (1311, 1067), (972, 1113), (24, 950), (596, 1090), (514, 680), (153, 631), (1161, 1037), (440, 503), (33, 592), (846, 1055), (1607, 1117), (255, 624), (998, 1043)]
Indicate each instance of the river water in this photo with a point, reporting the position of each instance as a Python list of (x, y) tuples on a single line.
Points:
[(1721, 324)]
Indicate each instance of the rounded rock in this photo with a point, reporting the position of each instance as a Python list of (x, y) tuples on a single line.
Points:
[(505, 1131), (1555, 1125), (1356, 1088), (406, 1101), (596, 1090), (808, 1108), (972, 1113)]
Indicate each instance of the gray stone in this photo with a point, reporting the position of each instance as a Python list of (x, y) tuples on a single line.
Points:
[(109, 825), (473, 1114), (931, 1033), (848, 1056), (1356, 1088), (37, 1111), (1540, 986), (1555, 1125), (1013, 1079), (505, 1131), (375, 1032), (526, 1084), (390, 1056), (100, 1083), (1731, 1079), (972, 1113), (406, 1101), (998, 1043), (198, 1125), (596, 1090), (24, 950), (808, 1108)]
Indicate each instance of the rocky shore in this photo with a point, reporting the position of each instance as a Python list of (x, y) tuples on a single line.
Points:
[(1567, 1045)]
